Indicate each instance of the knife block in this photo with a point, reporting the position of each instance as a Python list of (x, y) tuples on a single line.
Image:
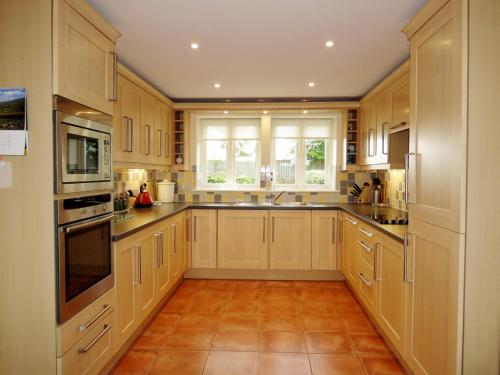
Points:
[(365, 196)]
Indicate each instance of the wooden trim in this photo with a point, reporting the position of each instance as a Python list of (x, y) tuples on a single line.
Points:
[(428, 10), (129, 165), (267, 106), (96, 19), (388, 80), (127, 73), (233, 274)]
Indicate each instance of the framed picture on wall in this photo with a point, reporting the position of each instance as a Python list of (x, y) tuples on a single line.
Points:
[(13, 124)]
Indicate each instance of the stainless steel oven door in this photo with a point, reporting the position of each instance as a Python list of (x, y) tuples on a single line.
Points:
[(83, 155), (85, 260)]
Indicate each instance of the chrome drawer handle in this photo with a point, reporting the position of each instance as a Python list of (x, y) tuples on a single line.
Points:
[(352, 221), (94, 341), (364, 280), (83, 327), (366, 247), (368, 234)]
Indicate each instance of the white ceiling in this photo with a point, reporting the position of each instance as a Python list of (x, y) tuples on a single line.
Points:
[(261, 48)]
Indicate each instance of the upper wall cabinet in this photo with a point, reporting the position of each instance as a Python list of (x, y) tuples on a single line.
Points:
[(84, 56), (384, 110)]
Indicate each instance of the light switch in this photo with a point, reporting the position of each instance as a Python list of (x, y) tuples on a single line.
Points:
[(5, 174)]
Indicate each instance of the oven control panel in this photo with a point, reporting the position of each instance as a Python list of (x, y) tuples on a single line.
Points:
[(75, 209)]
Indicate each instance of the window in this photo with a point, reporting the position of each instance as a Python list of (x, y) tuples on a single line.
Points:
[(229, 155), (302, 153)]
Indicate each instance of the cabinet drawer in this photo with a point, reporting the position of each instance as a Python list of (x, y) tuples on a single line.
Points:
[(73, 330), (92, 352), (367, 251), (367, 286)]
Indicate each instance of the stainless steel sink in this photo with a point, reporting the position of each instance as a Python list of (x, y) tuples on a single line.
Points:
[(294, 204), (269, 204), (252, 204)]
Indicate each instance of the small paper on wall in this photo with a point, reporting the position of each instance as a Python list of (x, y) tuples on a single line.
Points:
[(13, 124)]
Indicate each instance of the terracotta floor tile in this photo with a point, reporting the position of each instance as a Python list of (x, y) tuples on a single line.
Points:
[(215, 294), (322, 323), (281, 322), (330, 364), (277, 284), (135, 363), (347, 307), (283, 342), (247, 294), (207, 305), (307, 284), (342, 295), (283, 364), (151, 340), (369, 344), (236, 341), (287, 294), (382, 365), (316, 308), (178, 305), (193, 283), (242, 306), (199, 320), (164, 322), (231, 363), (315, 295), (179, 362), (279, 306), (220, 284), (188, 292), (334, 285), (357, 323), (239, 322), (190, 338), (329, 342), (247, 284)]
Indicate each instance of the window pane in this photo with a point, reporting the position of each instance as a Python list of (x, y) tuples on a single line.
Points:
[(315, 172), (286, 160), (245, 164), (216, 162)]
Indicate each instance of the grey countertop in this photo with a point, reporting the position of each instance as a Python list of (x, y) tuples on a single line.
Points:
[(141, 218)]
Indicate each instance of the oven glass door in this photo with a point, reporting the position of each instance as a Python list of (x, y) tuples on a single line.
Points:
[(85, 155)]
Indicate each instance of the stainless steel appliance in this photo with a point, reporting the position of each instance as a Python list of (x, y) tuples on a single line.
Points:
[(85, 258), (82, 149)]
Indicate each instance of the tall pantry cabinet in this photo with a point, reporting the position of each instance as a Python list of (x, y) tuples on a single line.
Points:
[(434, 252)]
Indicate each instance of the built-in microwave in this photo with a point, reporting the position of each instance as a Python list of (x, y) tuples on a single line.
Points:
[(83, 154)]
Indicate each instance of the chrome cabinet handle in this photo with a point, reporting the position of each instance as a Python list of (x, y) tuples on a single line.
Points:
[(167, 145), (341, 230), (364, 279), (385, 151), (333, 229), (139, 264), (368, 234), (159, 246), (186, 220), (407, 171), (94, 341), (195, 229), (148, 139), (130, 131), (174, 230), (372, 149), (406, 278), (272, 229), (125, 133), (353, 222), (375, 263), (264, 229), (114, 89), (160, 139), (83, 327), (366, 247)]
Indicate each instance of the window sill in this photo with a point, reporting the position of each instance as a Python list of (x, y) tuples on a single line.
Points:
[(257, 190)]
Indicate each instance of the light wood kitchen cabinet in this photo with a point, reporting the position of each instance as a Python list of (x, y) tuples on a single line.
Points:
[(438, 121), (204, 238), (364, 253), (165, 135), (383, 105), (324, 240), (290, 247), (149, 120), (126, 122), (435, 286), (177, 246), (351, 248), (162, 275), (391, 298), (84, 57), (145, 288), (343, 228), (243, 239), (401, 102)]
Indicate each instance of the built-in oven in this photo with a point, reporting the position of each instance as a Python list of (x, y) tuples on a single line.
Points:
[(84, 254), (83, 154)]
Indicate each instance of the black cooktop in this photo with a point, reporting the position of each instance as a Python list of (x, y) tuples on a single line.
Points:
[(390, 219)]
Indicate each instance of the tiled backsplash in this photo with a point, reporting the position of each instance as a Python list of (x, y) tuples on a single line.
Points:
[(185, 188)]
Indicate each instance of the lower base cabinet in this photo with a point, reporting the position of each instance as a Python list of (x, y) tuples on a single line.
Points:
[(324, 240), (204, 238)]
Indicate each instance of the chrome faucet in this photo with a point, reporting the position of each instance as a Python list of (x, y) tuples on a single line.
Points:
[(274, 198)]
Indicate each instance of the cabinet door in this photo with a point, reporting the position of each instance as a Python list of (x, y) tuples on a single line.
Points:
[(204, 239), (178, 256), (166, 118), (84, 61), (126, 280), (146, 288), (162, 278), (438, 121), (391, 306), (343, 228), (242, 239), (369, 131), (290, 247), (435, 299), (401, 102), (384, 119), (324, 240), (149, 118), (352, 248)]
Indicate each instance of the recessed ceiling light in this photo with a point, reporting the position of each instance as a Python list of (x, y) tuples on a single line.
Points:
[(228, 100), (226, 112), (304, 111), (311, 84), (304, 100), (195, 45), (261, 100), (329, 43), (264, 112), (217, 85)]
